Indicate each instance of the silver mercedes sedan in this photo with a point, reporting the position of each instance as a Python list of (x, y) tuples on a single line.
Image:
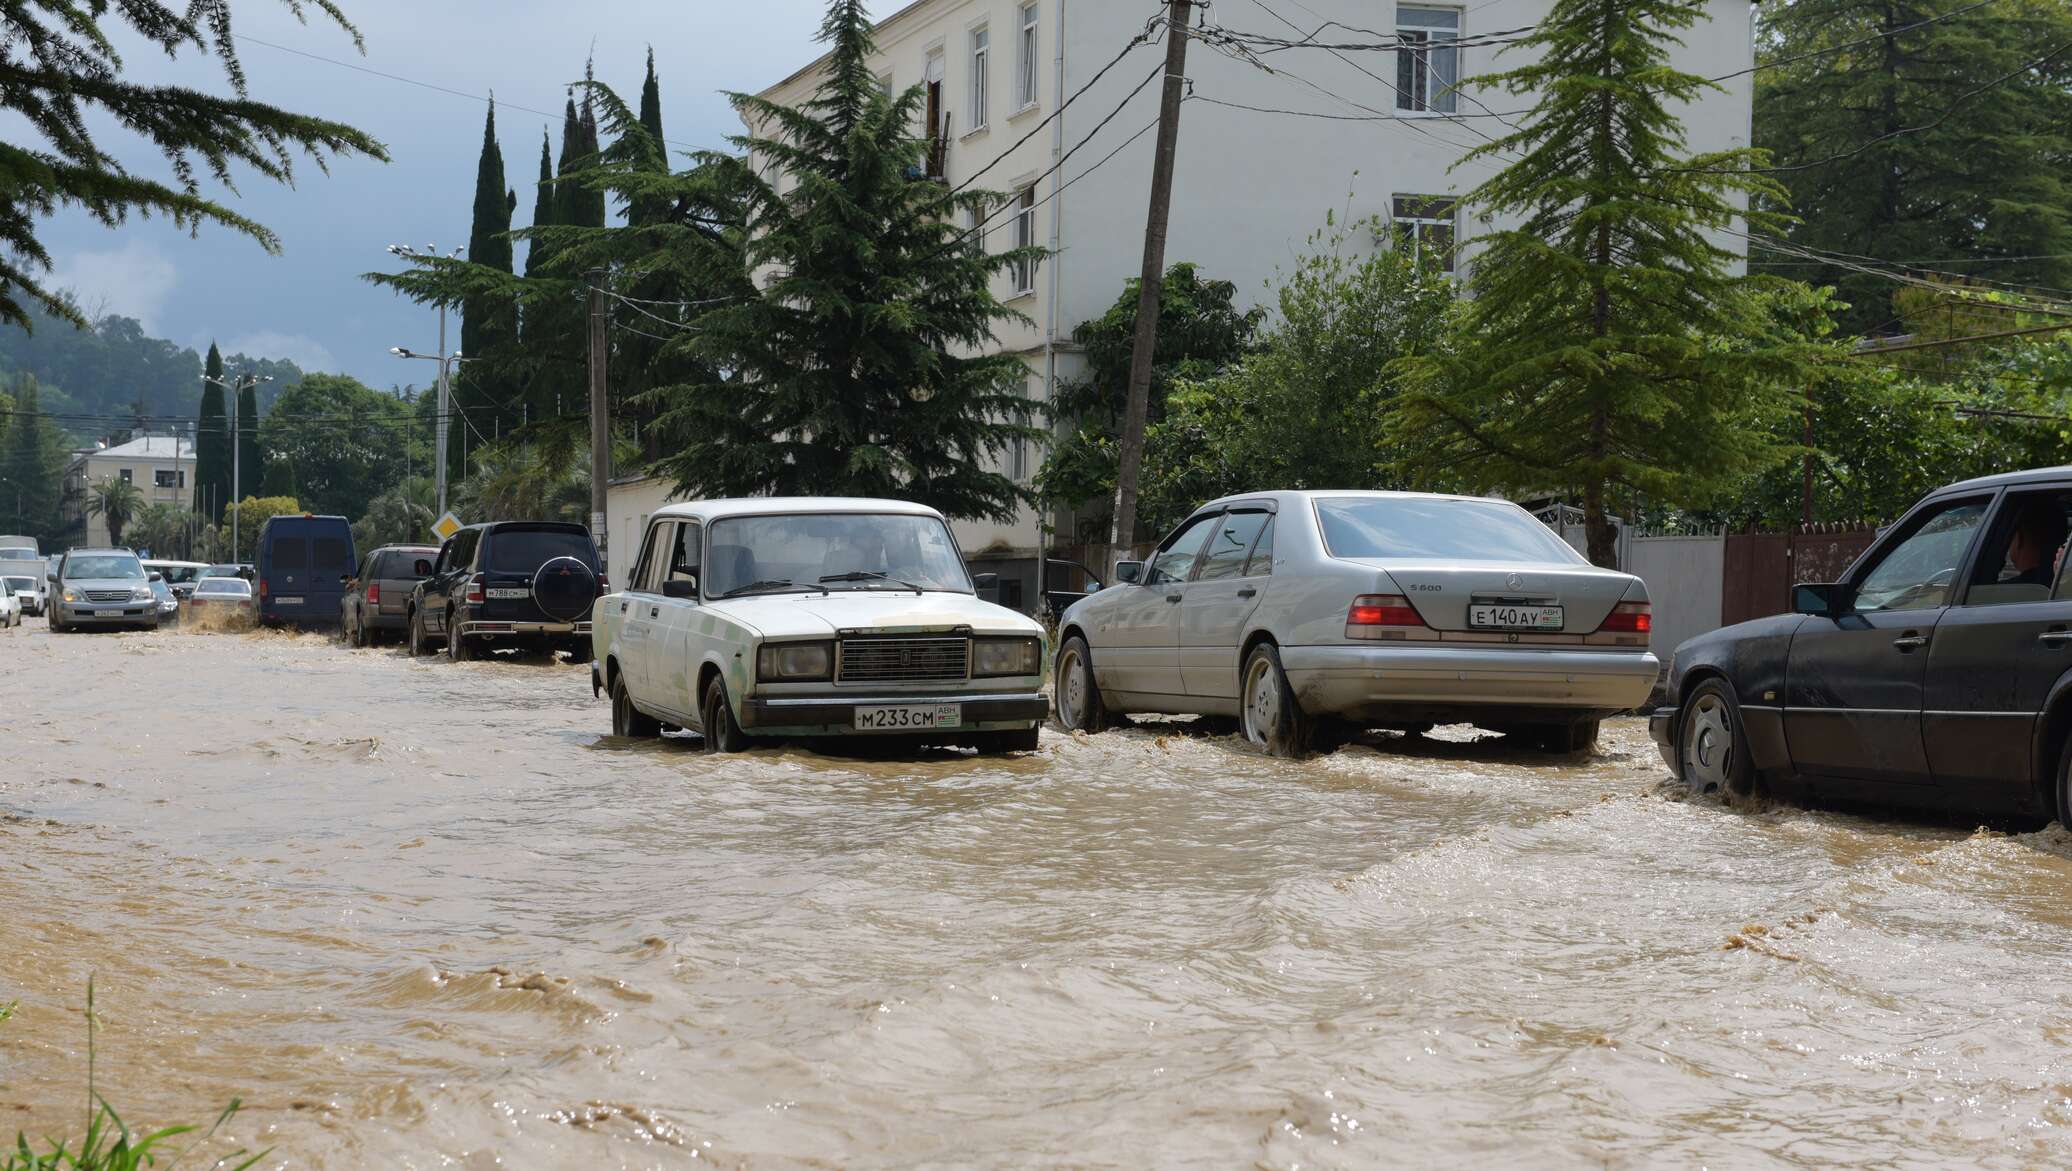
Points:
[(1311, 615)]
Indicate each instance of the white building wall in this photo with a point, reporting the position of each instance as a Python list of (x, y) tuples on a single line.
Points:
[(629, 504)]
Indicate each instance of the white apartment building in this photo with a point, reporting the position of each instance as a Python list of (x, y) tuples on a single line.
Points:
[(161, 466), (1268, 147)]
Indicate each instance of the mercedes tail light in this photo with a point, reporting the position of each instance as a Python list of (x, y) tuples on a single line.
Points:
[(1381, 616), (1629, 618), (475, 589)]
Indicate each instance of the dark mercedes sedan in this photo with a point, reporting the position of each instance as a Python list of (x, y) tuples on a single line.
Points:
[(1936, 673)]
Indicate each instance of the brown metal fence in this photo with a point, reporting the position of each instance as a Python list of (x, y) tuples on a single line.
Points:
[(1761, 568)]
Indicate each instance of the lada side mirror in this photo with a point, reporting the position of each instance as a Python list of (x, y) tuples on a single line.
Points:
[(1820, 600), (680, 588), (1129, 572)]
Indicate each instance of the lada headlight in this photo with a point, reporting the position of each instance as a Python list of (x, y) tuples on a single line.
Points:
[(1006, 656), (795, 662)]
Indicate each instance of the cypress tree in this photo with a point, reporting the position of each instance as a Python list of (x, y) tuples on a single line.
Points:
[(212, 443), (1609, 347), (578, 204), (487, 324), (251, 470), (542, 207), (33, 462), (649, 211)]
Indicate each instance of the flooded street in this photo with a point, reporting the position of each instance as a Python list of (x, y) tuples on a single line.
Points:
[(425, 915)]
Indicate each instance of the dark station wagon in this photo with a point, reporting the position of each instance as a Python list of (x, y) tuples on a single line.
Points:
[(1937, 672)]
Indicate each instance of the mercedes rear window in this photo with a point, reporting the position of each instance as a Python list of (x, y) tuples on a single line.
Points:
[(1438, 530), (528, 549)]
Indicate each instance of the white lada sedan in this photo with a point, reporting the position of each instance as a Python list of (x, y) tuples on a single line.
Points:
[(1308, 614), (747, 619)]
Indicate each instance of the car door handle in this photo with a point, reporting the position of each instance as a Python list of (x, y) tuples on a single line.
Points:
[(2055, 637), (1248, 592), (1172, 597), (1911, 642)]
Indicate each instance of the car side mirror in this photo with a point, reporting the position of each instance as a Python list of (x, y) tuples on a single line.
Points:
[(985, 581), (681, 589), (157, 576), (1129, 572), (421, 568), (1820, 600), (1093, 586)]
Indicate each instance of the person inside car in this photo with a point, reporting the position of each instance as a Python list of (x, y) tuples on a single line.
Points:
[(2039, 538)]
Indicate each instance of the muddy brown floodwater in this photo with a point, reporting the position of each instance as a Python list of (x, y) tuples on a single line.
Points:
[(424, 915)]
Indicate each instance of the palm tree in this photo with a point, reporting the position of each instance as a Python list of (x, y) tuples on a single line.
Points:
[(163, 528), (115, 501)]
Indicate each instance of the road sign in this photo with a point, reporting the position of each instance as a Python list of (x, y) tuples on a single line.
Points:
[(447, 526)]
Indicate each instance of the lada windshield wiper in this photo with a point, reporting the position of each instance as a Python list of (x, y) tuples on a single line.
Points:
[(773, 587), (873, 575)]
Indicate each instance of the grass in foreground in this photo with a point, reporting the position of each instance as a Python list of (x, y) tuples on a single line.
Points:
[(109, 1144)]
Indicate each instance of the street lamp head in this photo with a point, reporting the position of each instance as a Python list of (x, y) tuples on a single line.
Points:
[(399, 351)]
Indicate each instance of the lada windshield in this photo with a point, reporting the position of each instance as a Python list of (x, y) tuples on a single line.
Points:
[(833, 551)]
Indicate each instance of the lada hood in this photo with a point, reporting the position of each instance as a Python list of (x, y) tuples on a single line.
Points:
[(877, 611)]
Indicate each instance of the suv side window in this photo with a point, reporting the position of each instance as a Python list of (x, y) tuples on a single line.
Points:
[(464, 545)]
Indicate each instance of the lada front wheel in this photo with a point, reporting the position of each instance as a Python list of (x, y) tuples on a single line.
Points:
[(722, 732)]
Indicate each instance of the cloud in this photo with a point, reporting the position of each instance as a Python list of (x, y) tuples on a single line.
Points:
[(301, 349), (135, 280)]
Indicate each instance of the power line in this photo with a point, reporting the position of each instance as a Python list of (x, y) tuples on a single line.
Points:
[(1143, 38), (1856, 44)]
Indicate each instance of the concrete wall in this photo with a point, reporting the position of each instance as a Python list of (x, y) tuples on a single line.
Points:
[(628, 504), (1685, 577)]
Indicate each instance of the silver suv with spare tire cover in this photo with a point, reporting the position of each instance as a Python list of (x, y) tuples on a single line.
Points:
[(527, 585)]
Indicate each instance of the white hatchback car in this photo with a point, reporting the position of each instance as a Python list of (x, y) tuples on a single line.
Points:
[(814, 618), (1305, 613)]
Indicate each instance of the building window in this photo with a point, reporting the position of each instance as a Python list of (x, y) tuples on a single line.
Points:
[(1025, 237), (1018, 456), (165, 478), (125, 474), (1425, 225), (1025, 60), (981, 70), (1428, 64)]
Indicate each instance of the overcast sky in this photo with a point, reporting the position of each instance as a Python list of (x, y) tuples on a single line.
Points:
[(308, 304)]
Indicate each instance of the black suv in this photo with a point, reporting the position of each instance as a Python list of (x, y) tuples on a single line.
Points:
[(527, 584)]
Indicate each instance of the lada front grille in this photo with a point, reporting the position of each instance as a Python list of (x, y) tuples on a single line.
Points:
[(903, 660)]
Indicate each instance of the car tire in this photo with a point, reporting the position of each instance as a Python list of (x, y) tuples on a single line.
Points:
[(629, 721), (1002, 743), (1079, 706), (1567, 739), (457, 648), (2063, 805), (418, 640), (1712, 743), (723, 733), (1268, 712)]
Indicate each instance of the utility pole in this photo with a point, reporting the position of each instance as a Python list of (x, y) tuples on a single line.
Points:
[(445, 409), (600, 413), (1131, 458)]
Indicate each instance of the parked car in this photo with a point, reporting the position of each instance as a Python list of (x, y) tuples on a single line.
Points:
[(227, 569), (301, 569), (377, 599), (1937, 672), (16, 547), (168, 602), (102, 587), (28, 584), (180, 576), (1308, 614), (814, 618), (10, 605), (220, 601), (527, 584)]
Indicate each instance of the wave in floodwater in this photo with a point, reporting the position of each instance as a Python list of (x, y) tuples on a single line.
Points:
[(417, 914)]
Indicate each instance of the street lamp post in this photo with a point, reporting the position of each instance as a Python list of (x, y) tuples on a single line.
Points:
[(443, 358), (244, 379)]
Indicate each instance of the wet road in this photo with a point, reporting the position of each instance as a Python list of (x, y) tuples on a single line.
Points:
[(424, 915)]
